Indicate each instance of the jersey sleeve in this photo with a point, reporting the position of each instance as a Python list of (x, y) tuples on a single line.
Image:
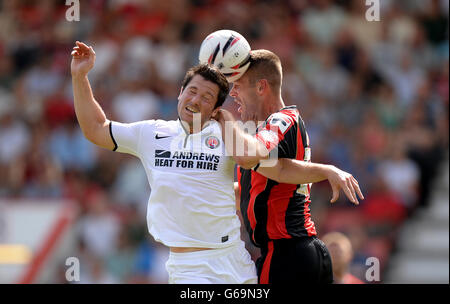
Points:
[(127, 136), (279, 135)]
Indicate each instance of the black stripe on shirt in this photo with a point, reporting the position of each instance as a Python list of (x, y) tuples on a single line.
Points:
[(112, 137)]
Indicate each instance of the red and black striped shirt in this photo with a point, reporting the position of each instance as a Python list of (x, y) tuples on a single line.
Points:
[(272, 210)]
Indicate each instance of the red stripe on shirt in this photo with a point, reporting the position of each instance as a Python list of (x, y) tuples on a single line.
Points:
[(259, 183), (264, 278), (309, 224), (276, 210), (239, 174), (300, 146)]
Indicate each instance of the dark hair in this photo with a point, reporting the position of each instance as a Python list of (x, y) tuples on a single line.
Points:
[(211, 73), (265, 65)]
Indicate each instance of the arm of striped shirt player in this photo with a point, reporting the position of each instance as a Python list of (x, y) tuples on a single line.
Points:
[(248, 151), (291, 171)]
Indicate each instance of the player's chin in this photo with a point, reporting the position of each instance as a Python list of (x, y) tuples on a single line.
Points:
[(186, 117), (191, 117)]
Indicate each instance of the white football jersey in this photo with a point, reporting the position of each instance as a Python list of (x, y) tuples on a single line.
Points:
[(192, 201)]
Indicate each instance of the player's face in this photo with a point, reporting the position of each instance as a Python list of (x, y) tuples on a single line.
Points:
[(197, 101), (245, 96)]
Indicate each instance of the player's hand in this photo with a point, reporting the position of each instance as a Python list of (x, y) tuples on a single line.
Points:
[(221, 115), (83, 59), (338, 180), (216, 114)]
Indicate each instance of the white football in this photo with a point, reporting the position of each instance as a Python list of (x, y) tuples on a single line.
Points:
[(228, 50)]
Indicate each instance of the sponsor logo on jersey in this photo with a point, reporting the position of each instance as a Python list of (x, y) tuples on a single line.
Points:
[(157, 136), (281, 121), (186, 160), (212, 142), (307, 154), (162, 153)]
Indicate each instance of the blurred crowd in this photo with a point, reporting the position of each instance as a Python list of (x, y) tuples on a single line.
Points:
[(374, 97)]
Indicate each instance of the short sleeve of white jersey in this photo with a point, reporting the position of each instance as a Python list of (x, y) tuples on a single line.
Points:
[(127, 136)]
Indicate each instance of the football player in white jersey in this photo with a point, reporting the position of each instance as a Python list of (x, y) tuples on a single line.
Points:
[(191, 208)]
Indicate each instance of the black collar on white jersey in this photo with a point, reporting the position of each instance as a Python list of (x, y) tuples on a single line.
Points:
[(207, 124)]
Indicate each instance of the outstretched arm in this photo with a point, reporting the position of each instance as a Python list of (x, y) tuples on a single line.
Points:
[(288, 171), (92, 119), (291, 171)]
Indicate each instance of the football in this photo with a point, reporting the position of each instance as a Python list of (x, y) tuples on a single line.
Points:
[(228, 50)]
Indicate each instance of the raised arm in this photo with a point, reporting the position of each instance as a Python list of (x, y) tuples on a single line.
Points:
[(92, 119), (291, 171)]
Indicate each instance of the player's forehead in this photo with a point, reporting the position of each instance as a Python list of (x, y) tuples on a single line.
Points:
[(201, 84), (242, 81)]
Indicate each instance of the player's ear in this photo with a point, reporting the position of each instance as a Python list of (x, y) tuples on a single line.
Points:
[(181, 92), (261, 86)]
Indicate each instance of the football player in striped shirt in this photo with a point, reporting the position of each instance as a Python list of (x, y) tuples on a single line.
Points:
[(275, 199)]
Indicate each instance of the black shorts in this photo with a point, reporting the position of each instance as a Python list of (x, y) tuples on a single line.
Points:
[(296, 260)]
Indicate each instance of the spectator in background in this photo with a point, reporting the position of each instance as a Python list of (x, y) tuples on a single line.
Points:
[(405, 78), (365, 33), (341, 252), (68, 146), (96, 273), (99, 227), (131, 186), (383, 209), (322, 21), (388, 109), (42, 79), (138, 54), (14, 137), (435, 22), (330, 80), (170, 55), (108, 52), (400, 174), (135, 103), (423, 145), (120, 261)]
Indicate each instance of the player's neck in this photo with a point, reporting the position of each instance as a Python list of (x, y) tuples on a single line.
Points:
[(270, 106), (190, 129)]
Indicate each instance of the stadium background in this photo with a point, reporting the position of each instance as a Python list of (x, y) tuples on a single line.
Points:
[(374, 97)]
